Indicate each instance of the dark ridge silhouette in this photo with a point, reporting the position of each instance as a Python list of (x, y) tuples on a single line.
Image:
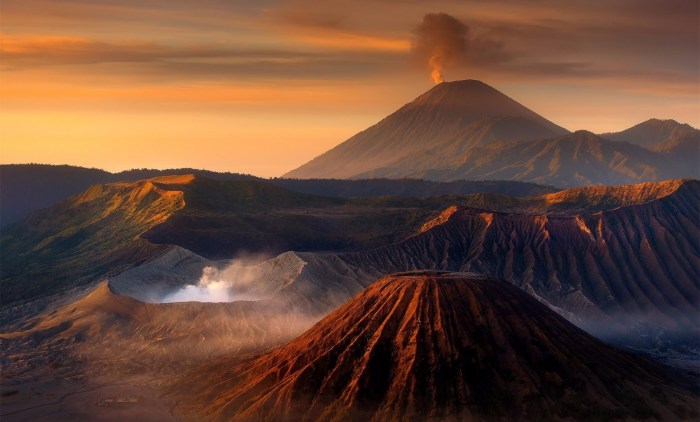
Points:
[(25, 188), (410, 187)]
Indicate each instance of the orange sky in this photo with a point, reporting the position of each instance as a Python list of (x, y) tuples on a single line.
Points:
[(262, 87)]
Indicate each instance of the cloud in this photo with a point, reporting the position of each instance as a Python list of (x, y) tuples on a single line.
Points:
[(346, 40), (51, 50), (195, 62), (216, 47)]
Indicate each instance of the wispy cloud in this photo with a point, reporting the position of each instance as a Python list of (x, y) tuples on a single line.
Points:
[(193, 62), (538, 39), (599, 64)]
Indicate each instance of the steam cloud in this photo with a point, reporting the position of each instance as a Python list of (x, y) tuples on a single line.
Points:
[(441, 40), (238, 281)]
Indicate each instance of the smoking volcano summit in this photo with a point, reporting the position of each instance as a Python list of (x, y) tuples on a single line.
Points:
[(468, 130), (432, 131)]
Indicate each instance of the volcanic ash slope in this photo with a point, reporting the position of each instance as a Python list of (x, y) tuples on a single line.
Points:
[(437, 346)]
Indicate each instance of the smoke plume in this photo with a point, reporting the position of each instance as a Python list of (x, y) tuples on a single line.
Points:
[(244, 278), (441, 40)]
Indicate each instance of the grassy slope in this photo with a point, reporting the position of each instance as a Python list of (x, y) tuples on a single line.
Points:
[(87, 236)]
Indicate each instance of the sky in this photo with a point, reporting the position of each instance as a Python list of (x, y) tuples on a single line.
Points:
[(261, 87)]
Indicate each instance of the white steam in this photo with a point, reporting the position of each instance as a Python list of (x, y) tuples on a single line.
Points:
[(207, 289), (241, 280)]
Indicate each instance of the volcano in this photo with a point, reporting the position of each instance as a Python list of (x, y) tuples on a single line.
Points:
[(467, 130), (432, 131), (438, 346)]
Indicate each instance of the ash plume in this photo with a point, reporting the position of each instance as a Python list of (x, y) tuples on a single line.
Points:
[(440, 41)]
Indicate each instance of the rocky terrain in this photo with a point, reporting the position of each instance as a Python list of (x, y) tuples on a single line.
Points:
[(25, 188), (617, 261), (437, 346), (613, 270), (61, 364), (109, 228)]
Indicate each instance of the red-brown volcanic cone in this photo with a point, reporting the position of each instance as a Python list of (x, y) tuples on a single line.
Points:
[(437, 346)]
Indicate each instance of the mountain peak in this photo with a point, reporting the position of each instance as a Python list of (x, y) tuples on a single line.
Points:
[(657, 134), (471, 100), (431, 345), (438, 127), (464, 85), (662, 122), (177, 179)]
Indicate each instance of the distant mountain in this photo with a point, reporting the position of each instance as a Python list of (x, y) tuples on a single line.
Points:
[(678, 141), (656, 134), (578, 159), (433, 131), (29, 187), (438, 346), (466, 130)]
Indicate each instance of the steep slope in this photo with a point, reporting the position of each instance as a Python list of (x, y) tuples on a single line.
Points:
[(222, 219), (116, 346), (466, 130), (630, 268), (88, 236), (678, 141), (107, 333), (432, 131), (25, 188), (685, 147), (653, 134), (578, 159), (436, 346), (112, 227)]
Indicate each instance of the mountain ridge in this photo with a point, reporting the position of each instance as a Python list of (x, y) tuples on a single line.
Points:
[(25, 188), (452, 116), (570, 262), (435, 346), (468, 130), (654, 133)]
